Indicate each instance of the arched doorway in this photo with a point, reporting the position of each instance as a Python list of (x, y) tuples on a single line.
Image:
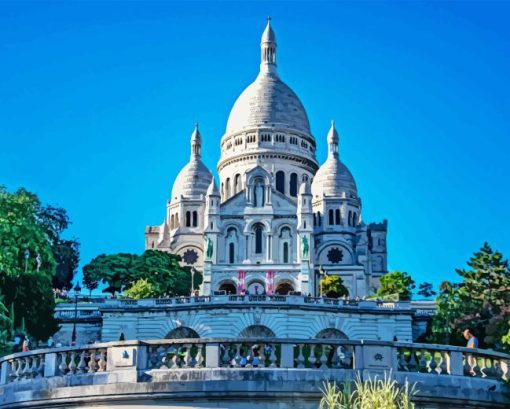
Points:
[(228, 286), (284, 288), (331, 333), (182, 332), (256, 288), (257, 331)]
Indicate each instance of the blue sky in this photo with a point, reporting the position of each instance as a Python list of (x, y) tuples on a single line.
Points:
[(98, 101)]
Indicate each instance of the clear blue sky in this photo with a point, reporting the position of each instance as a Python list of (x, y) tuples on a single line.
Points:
[(98, 101)]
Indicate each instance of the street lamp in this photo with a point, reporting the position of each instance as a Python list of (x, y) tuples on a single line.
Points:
[(322, 274), (27, 255), (77, 290), (192, 279)]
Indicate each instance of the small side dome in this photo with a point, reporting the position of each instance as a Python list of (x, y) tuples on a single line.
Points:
[(194, 178), (333, 178)]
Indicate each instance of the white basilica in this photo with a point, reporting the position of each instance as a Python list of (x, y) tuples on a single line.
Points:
[(277, 220)]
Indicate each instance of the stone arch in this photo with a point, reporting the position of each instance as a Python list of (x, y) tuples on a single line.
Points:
[(228, 286), (284, 287), (257, 331), (182, 332), (331, 333), (261, 288)]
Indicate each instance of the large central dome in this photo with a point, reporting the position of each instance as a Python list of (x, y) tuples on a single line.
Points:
[(268, 102)]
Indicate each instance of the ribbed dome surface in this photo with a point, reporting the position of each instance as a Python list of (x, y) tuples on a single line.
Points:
[(266, 102), (333, 179), (193, 180)]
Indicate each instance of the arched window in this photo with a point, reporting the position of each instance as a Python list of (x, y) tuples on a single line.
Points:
[(285, 252), (231, 253), (331, 217), (188, 219), (350, 218), (258, 239), (354, 220), (195, 219), (293, 185), (280, 181), (237, 183), (314, 219), (172, 226), (319, 219), (227, 188), (176, 220), (337, 216), (222, 190)]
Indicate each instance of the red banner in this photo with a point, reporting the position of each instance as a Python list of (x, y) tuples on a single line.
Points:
[(270, 282), (241, 276)]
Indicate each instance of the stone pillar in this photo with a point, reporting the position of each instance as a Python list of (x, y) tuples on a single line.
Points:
[(454, 363), (287, 356), (4, 372), (212, 355), (205, 287), (50, 365)]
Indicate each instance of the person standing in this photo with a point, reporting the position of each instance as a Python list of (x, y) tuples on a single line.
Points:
[(472, 341)]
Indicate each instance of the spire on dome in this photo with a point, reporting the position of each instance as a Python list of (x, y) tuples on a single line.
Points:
[(268, 50), (196, 143), (333, 140)]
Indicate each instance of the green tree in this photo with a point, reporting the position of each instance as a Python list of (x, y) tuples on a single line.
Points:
[(397, 284), (333, 287), (141, 288), (66, 252), (27, 264), (426, 290), (481, 301), (5, 328), (164, 272), (115, 270)]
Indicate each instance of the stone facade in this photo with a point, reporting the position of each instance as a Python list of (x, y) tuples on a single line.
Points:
[(277, 219)]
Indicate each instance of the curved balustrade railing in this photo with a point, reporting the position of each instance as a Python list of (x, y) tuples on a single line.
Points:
[(256, 299), (433, 360)]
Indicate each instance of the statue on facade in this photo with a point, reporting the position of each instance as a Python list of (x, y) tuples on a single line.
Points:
[(209, 248), (259, 195), (304, 247)]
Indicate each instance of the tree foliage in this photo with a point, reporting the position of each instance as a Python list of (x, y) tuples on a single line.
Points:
[(481, 301), (426, 290), (398, 284), (66, 252), (27, 263), (333, 287), (141, 288), (120, 271)]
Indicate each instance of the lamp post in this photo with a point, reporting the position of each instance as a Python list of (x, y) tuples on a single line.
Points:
[(77, 290), (322, 274), (192, 279), (27, 255)]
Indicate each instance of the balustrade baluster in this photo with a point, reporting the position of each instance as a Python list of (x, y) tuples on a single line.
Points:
[(72, 363), (483, 367), (26, 368), (272, 357), (187, 356), (432, 363), (13, 363), (34, 369), (92, 361), (402, 363), (82, 367), (225, 358), (300, 360), (335, 359), (412, 364), (102, 361), (63, 363), (40, 368), (442, 368), (311, 359), (422, 362), (323, 358), (19, 368), (505, 369), (199, 357), (262, 356)]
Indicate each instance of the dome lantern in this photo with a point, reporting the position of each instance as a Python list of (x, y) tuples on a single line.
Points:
[(268, 50)]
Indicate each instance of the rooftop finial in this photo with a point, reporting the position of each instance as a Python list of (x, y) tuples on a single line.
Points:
[(196, 143), (333, 140), (268, 50)]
